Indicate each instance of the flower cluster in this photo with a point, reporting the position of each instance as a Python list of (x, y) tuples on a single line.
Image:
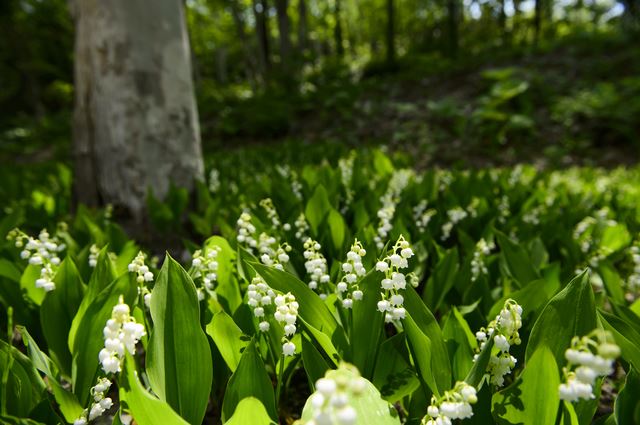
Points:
[(455, 216), (346, 176), (286, 314), (504, 329), (504, 209), (331, 402), (214, 180), (584, 366), (205, 265), (272, 213), (94, 251), (422, 215), (260, 295), (120, 333), (454, 404), (533, 216), (302, 227), (272, 254), (478, 266), (140, 268), (348, 289), (394, 281), (100, 403), (246, 231), (316, 265), (399, 180), (42, 252)]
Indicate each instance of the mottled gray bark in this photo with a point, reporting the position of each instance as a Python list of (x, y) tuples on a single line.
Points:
[(135, 119)]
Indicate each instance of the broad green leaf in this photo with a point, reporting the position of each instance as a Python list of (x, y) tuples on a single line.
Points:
[(228, 287), (9, 270), (28, 283), (323, 341), (367, 325), (460, 342), (442, 279), (144, 407), (627, 337), (315, 365), (66, 400), (58, 310), (479, 368), (571, 312), (394, 374), (533, 397), (89, 338), (249, 380), (531, 297), (627, 407), (612, 281), (250, 411), (228, 337), (338, 229), (428, 325), (317, 208), (369, 406), (179, 362), (24, 387), (420, 346), (615, 238), (517, 260), (103, 274)]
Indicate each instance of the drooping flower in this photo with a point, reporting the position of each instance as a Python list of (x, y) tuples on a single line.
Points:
[(121, 333)]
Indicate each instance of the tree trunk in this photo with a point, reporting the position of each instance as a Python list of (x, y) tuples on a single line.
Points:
[(236, 14), (452, 12), (260, 8), (284, 32), (537, 21), (135, 121), (391, 33), (302, 26), (337, 31)]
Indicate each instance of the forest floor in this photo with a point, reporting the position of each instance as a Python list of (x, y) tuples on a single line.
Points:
[(576, 103)]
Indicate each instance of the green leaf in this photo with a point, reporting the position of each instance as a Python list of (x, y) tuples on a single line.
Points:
[(9, 270), (228, 287), (315, 365), (317, 208), (24, 387), (28, 284), (626, 335), (67, 401), (442, 279), (420, 346), (179, 362), (517, 260), (571, 312), (627, 407), (394, 374), (145, 408), (428, 325), (250, 411), (367, 325), (369, 406), (460, 342), (533, 397), (612, 281), (338, 229), (103, 274), (615, 238), (228, 337), (249, 380), (58, 310), (479, 368)]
